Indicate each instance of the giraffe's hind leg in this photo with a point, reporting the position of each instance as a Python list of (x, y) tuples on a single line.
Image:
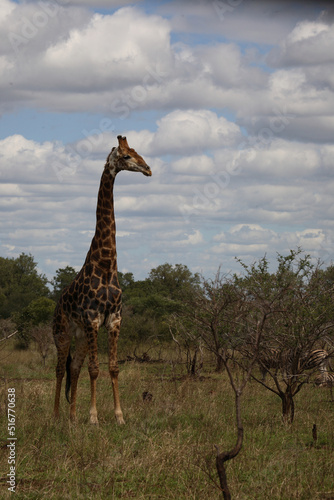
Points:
[(81, 348), (93, 368), (60, 371), (63, 342), (113, 327)]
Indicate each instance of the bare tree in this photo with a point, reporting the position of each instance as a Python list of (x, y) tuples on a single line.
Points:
[(7, 331), (238, 386), (218, 315), (289, 310), (42, 335), (189, 344), (301, 318), (208, 317)]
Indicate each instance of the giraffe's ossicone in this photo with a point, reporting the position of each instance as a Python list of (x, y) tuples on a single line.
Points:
[(94, 298)]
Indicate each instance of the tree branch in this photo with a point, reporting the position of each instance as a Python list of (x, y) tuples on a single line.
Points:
[(9, 336)]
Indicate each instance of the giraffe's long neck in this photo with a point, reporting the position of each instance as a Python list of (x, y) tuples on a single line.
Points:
[(102, 251)]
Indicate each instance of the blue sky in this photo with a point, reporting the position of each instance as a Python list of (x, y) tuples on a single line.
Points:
[(230, 103)]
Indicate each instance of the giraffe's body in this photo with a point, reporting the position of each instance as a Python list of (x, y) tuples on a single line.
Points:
[(94, 297)]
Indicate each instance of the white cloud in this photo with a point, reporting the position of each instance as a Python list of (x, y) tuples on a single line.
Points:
[(310, 42), (250, 242), (110, 51), (306, 30), (50, 218), (117, 64), (196, 165), (251, 22), (240, 143), (245, 233), (31, 27), (282, 160), (195, 238), (111, 58), (228, 68), (24, 160), (284, 82), (7, 8), (182, 132)]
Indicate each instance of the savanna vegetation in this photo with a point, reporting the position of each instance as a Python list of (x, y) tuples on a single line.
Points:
[(191, 357)]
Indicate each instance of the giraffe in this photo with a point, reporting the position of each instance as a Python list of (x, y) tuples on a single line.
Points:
[(93, 298)]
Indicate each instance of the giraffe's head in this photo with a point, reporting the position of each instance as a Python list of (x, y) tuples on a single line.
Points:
[(125, 158)]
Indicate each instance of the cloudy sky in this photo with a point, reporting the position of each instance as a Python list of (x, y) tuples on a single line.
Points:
[(230, 102)]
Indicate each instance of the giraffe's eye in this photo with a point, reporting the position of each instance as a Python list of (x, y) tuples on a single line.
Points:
[(126, 157)]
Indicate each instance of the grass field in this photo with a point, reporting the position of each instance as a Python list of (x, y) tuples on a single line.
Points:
[(166, 449)]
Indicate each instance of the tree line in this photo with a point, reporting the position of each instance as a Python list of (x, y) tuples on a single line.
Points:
[(28, 298), (291, 309)]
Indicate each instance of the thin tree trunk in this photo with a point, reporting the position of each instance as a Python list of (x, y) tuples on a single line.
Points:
[(228, 455), (193, 364), (222, 475), (219, 363), (225, 456), (288, 407)]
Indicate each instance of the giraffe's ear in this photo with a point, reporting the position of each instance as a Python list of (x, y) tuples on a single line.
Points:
[(113, 149), (109, 156)]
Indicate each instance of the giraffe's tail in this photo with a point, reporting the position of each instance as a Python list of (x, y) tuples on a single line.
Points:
[(68, 377)]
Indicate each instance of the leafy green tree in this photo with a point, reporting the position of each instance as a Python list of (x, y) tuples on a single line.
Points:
[(20, 283), (172, 281), (125, 280), (38, 313), (149, 303), (63, 278), (328, 276)]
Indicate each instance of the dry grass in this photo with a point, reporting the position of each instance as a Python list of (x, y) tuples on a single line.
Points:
[(166, 449)]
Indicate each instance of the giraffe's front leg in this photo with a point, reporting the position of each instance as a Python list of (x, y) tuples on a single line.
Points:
[(113, 327), (93, 369)]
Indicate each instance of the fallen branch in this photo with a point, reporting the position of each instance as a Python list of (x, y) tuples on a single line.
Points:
[(9, 336)]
